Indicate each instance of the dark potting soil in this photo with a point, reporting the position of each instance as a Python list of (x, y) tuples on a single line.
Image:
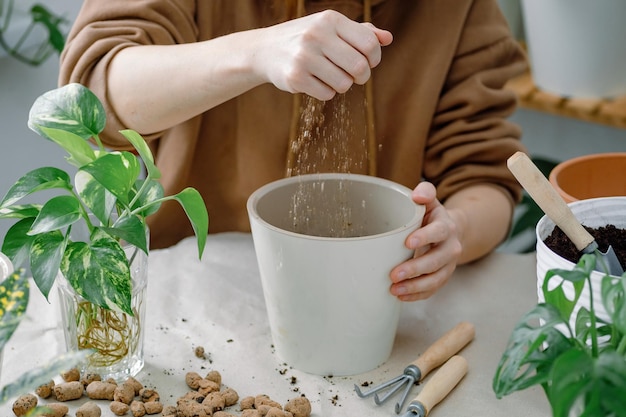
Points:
[(611, 235)]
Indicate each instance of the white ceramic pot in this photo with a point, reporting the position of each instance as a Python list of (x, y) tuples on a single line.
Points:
[(325, 245), (576, 46), (594, 213)]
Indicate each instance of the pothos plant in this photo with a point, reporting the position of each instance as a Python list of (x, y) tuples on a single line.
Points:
[(112, 194), (582, 369)]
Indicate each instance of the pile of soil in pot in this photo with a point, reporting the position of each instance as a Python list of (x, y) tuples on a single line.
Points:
[(607, 235)]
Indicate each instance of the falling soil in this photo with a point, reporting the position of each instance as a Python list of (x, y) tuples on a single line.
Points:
[(326, 135), (611, 235)]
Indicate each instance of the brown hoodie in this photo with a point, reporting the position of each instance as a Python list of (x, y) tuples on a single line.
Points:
[(438, 104)]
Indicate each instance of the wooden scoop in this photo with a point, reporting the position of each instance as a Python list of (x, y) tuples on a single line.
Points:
[(546, 197)]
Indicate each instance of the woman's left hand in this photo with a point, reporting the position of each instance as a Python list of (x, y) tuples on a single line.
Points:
[(437, 250)]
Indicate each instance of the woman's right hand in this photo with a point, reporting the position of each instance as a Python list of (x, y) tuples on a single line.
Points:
[(320, 54)]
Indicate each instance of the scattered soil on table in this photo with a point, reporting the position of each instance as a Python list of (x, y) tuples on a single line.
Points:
[(611, 235)]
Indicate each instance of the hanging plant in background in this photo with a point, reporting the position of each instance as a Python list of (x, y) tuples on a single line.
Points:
[(45, 28)]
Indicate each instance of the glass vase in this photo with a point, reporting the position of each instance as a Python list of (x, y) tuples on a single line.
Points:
[(115, 337)]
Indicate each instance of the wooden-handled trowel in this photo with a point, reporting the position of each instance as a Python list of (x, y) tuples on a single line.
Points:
[(546, 197)]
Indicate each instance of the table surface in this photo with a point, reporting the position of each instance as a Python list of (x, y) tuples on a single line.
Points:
[(217, 303)]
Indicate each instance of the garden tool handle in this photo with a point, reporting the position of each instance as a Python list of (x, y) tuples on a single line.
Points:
[(439, 386), (546, 197), (446, 346)]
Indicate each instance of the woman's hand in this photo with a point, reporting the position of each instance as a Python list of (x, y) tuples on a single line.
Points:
[(437, 250), (321, 54)]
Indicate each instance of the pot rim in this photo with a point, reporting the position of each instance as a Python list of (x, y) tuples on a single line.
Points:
[(619, 200), (568, 164), (411, 224)]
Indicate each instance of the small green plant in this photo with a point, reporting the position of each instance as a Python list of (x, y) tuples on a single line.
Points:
[(108, 187), (51, 40), (111, 197), (581, 368)]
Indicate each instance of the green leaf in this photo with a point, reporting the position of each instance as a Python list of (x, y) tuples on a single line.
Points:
[(569, 375), (79, 150), (72, 107), (20, 211), (58, 212), (582, 329), (614, 300), (38, 376), (117, 172), (600, 382), (99, 272), (529, 218), (533, 345), (132, 230), (100, 201), (151, 191), (144, 151), (17, 242), (193, 204), (46, 254), (576, 277), (14, 293), (52, 23), (39, 179)]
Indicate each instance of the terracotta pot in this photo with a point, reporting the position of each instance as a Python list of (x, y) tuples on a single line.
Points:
[(591, 176)]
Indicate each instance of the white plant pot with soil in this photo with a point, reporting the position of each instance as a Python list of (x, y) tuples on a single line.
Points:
[(576, 46), (595, 214), (325, 246), (115, 336)]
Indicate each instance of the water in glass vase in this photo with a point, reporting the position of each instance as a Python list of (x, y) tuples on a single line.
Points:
[(115, 337)]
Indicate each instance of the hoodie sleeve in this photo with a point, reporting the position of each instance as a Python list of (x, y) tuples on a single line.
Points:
[(103, 28), (471, 138)]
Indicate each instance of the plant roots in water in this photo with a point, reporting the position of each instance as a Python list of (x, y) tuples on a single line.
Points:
[(111, 334)]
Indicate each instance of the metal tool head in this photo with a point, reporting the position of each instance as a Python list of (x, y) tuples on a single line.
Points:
[(399, 380), (410, 375), (606, 262)]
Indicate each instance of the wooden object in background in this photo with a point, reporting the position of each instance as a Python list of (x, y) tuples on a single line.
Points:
[(611, 112)]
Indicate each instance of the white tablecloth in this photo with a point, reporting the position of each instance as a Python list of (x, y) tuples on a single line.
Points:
[(217, 303)]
